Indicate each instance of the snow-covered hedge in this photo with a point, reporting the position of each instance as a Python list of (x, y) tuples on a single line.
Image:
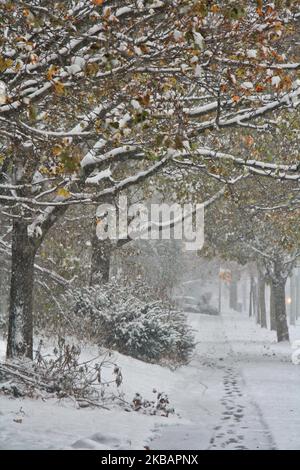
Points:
[(125, 318)]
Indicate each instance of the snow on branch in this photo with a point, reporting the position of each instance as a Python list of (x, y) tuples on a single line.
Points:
[(282, 170)]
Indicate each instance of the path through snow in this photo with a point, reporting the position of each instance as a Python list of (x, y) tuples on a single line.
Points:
[(245, 404)]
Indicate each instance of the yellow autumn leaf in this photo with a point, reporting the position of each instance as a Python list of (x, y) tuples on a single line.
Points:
[(51, 72), (215, 9), (44, 170), (63, 192), (259, 8), (59, 88), (57, 150), (5, 63), (249, 140), (235, 98)]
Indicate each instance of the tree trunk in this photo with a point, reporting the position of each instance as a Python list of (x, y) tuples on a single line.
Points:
[(262, 300), (233, 294), (250, 304), (272, 309), (100, 262), (258, 313), (280, 311), (20, 327), (297, 300), (251, 297), (293, 305), (244, 295), (255, 302)]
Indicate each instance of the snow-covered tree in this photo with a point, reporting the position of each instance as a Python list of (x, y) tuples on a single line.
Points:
[(98, 95), (239, 230)]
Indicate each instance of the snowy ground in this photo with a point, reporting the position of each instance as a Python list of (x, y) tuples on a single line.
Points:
[(59, 424), (252, 399), (240, 391)]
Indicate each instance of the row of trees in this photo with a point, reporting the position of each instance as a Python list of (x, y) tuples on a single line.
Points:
[(262, 307), (267, 239), (100, 96)]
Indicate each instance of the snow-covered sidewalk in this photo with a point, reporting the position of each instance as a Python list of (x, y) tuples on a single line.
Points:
[(270, 378), (240, 391), (252, 399)]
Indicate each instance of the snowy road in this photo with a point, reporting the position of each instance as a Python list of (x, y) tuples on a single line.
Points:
[(245, 399)]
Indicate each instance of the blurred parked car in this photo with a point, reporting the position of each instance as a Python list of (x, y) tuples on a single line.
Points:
[(193, 305), (187, 303)]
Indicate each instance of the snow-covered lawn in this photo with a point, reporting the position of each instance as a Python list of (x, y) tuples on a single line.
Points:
[(59, 424), (239, 391)]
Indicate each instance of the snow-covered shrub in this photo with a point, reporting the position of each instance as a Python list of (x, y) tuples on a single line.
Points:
[(62, 373), (126, 318)]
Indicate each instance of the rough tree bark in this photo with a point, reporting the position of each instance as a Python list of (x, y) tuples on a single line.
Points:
[(233, 293), (102, 251), (278, 271), (100, 260), (272, 309), (257, 300), (293, 305), (297, 301), (280, 310), (262, 299), (24, 248), (251, 307), (20, 331)]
